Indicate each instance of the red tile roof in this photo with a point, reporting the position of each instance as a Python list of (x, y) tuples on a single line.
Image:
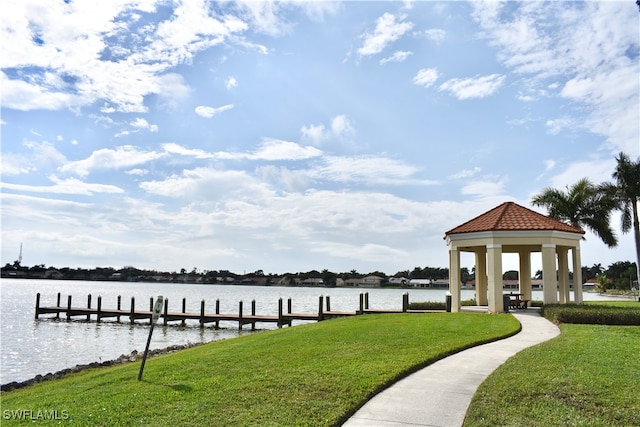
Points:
[(510, 216)]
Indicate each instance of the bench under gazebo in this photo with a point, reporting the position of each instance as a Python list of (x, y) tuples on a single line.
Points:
[(511, 228)]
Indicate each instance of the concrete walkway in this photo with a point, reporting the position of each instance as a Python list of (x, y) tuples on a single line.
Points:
[(439, 394)]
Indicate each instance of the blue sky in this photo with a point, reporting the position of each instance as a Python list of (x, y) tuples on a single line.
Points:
[(291, 136)]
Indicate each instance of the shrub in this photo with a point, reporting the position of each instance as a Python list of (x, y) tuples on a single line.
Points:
[(592, 314), (437, 305)]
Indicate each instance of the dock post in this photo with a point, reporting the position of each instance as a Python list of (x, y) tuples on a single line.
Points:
[(289, 306), (68, 307), (132, 316), (361, 303), (279, 313), (150, 308), (89, 307), (366, 300), (119, 307), (328, 299), (253, 313), (58, 305), (184, 310), (99, 308), (405, 302), (217, 324), (320, 313), (240, 316), (166, 310), (38, 305), (202, 313)]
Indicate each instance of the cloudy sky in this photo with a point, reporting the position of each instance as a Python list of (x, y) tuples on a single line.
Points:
[(299, 135)]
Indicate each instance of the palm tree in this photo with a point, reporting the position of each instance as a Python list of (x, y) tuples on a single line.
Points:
[(583, 205), (627, 176)]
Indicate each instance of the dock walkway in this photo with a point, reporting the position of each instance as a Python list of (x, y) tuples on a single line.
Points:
[(99, 313)]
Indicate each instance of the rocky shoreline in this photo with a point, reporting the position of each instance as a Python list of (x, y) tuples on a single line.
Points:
[(124, 358)]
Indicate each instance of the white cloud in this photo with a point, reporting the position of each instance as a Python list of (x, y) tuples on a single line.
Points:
[(208, 112), (368, 170), (274, 149), (315, 133), (474, 87), (107, 158), (574, 46), (389, 28), (141, 123), (398, 56), (86, 44), (435, 34), (231, 83), (341, 128), (426, 77), (466, 173), (66, 186)]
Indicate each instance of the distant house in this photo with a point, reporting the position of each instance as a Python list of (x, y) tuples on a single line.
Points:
[(398, 281), (590, 284), (353, 282), (420, 283), (372, 281), (312, 281)]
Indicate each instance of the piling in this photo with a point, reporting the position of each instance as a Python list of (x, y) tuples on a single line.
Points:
[(202, 313), (89, 307), (253, 314), (133, 310), (119, 307), (320, 313), (99, 308), (328, 300), (280, 318), (68, 307), (184, 310), (240, 316), (58, 305), (166, 311), (38, 305)]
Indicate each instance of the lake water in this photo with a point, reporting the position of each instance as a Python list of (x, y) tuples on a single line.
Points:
[(29, 347)]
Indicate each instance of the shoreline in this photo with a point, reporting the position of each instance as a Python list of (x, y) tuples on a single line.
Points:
[(134, 356)]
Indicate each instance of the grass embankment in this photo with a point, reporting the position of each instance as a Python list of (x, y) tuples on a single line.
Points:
[(310, 375), (587, 376)]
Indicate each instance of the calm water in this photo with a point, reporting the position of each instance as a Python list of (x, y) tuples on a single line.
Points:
[(30, 347)]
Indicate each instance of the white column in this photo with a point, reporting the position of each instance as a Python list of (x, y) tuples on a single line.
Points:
[(494, 272), (577, 274), (563, 274), (549, 281), (454, 277), (481, 277), (525, 274)]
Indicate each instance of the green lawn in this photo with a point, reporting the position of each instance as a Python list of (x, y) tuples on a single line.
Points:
[(587, 376), (310, 375)]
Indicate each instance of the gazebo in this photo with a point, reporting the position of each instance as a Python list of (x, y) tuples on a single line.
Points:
[(511, 228)]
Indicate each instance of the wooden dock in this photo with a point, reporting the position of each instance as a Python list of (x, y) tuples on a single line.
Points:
[(98, 313)]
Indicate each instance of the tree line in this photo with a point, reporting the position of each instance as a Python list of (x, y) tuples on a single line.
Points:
[(618, 275)]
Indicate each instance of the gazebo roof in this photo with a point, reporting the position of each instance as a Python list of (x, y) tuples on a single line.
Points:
[(510, 216)]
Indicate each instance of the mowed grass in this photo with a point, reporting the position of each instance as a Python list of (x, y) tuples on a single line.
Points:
[(587, 376), (310, 375)]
